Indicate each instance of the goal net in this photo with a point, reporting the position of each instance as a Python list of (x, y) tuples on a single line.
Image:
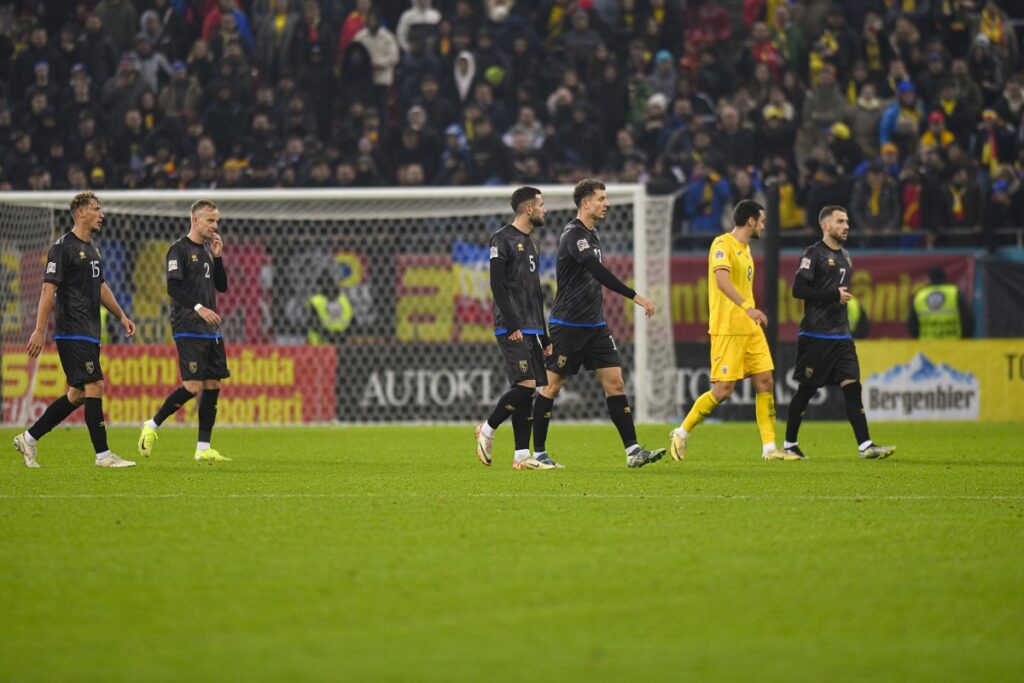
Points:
[(412, 265)]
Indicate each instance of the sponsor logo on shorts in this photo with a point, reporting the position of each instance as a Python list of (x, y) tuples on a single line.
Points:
[(90, 367), (523, 366), (582, 245), (172, 265), (805, 263), (561, 361), (725, 369), (51, 267), (494, 252), (193, 367)]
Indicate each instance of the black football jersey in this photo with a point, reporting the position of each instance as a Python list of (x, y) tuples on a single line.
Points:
[(76, 267), (579, 300), (192, 265), (825, 270), (518, 252)]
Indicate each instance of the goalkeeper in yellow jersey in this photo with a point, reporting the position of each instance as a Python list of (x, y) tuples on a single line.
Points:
[(738, 345)]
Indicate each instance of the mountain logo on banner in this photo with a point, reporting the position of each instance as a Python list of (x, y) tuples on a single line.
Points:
[(921, 389)]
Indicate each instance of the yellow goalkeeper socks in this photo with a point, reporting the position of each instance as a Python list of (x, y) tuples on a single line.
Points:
[(766, 417), (702, 407)]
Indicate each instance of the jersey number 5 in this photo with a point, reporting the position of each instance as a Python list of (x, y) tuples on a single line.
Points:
[(533, 264)]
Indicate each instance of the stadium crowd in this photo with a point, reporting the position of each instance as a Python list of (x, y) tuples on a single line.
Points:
[(910, 112)]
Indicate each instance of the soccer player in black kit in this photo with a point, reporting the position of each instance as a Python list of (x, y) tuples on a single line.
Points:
[(73, 282), (194, 270), (579, 334), (519, 328), (825, 353)]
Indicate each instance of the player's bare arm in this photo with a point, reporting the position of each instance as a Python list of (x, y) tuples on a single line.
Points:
[(723, 283), (645, 303), (110, 303), (208, 315), (46, 302)]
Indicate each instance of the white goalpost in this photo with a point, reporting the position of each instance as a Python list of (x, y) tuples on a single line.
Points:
[(412, 263)]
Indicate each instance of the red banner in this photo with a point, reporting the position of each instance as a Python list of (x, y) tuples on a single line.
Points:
[(268, 384), (441, 301), (884, 284)]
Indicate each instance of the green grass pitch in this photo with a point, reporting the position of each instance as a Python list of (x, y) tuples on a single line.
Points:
[(391, 554)]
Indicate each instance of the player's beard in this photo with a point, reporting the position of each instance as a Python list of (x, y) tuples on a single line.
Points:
[(536, 222)]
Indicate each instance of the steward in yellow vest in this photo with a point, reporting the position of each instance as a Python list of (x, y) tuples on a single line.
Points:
[(330, 318), (858, 318), (938, 310)]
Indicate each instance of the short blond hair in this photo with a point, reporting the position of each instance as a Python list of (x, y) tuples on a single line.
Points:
[(201, 204), (81, 200)]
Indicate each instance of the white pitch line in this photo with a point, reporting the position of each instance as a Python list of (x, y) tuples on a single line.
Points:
[(582, 496)]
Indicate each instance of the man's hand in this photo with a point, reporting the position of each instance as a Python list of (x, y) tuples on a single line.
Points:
[(548, 350), (844, 295), (35, 343), (757, 316), (216, 245), (516, 336), (208, 315), (646, 303), (129, 327)]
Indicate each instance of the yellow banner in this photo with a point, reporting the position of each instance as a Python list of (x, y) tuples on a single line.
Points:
[(943, 380)]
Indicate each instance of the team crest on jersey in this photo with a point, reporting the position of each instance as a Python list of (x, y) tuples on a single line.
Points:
[(193, 367), (561, 361), (89, 366), (195, 258), (494, 252), (582, 245), (519, 247), (172, 265), (805, 263), (81, 255), (831, 261), (808, 372), (719, 254), (523, 366), (51, 267)]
